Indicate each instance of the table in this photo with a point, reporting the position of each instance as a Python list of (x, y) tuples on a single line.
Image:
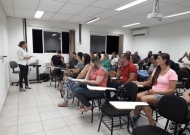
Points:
[(37, 80), (140, 86), (126, 105), (185, 79)]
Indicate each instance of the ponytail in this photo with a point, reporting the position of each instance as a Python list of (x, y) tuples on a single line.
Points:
[(156, 75), (21, 43)]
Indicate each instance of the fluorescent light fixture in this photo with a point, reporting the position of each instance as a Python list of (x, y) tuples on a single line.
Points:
[(54, 34), (38, 14), (131, 24), (174, 15), (130, 5), (93, 20)]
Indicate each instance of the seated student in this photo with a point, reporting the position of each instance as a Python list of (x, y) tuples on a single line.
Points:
[(69, 83), (97, 76), (160, 52), (153, 65), (134, 60), (73, 61), (127, 71), (74, 73), (92, 54), (147, 62), (114, 61), (98, 55), (138, 57), (106, 62), (186, 62), (163, 82), (57, 60), (128, 52)]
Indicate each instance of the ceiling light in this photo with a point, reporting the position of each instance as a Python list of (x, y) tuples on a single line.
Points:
[(54, 34), (93, 20), (174, 15), (130, 5), (38, 14), (131, 24)]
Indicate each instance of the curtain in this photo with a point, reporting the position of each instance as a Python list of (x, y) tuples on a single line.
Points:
[(120, 49), (71, 42)]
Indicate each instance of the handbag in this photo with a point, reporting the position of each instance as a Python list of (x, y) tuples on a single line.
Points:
[(44, 76), (122, 94)]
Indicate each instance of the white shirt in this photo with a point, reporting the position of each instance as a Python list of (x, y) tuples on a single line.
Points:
[(113, 61), (21, 53), (186, 63)]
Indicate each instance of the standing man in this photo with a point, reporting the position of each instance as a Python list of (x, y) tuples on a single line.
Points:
[(127, 71)]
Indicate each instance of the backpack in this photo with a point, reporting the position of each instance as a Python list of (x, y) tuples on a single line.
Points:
[(44, 76)]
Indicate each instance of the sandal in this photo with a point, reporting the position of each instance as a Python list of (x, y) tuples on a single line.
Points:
[(86, 109), (22, 89), (60, 88), (63, 105), (80, 107), (27, 87)]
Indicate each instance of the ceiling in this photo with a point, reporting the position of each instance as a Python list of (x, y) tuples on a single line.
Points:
[(80, 11)]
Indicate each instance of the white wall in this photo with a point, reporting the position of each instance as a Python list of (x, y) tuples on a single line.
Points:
[(173, 38), (4, 63), (16, 35)]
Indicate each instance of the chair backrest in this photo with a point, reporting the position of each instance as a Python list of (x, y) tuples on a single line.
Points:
[(187, 83), (182, 74), (13, 64), (173, 108), (128, 92)]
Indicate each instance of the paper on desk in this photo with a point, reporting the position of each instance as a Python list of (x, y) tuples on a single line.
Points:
[(99, 88), (79, 80)]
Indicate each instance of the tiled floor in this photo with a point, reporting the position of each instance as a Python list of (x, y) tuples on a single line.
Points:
[(35, 112)]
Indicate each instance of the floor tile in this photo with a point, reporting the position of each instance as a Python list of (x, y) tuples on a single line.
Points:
[(30, 128), (75, 119), (26, 100), (53, 123), (8, 122), (39, 133), (10, 107), (11, 102), (68, 111), (82, 129), (27, 105), (28, 118), (6, 114), (59, 131), (8, 130), (43, 98), (28, 111), (45, 103), (47, 108), (50, 115)]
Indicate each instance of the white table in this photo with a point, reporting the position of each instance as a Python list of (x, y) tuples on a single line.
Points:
[(126, 105), (185, 79), (79, 80), (140, 86)]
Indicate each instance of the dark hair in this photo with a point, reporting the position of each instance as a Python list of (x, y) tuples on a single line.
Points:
[(92, 52), (135, 59), (166, 57), (127, 56), (86, 58), (79, 54), (59, 51), (155, 56), (149, 55), (21, 43), (128, 52), (150, 52), (160, 52), (99, 55), (114, 54), (74, 53)]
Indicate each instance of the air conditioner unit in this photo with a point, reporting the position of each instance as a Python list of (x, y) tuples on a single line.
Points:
[(141, 32)]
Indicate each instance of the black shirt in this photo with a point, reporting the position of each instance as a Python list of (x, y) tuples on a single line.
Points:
[(56, 60)]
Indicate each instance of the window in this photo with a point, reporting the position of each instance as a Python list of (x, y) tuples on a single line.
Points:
[(112, 44), (97, 43), (37, 41), (104, 44), (50, 42)]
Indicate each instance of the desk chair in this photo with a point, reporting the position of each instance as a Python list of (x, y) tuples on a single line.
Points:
[(14, 65)]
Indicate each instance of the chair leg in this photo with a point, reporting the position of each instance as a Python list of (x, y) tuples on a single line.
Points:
[(111, 126), (120, 122), (129, 121), (92, 111), (100, 122), (73, 98), (156, 115)]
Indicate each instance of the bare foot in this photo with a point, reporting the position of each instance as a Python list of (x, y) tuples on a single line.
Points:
[(86, 109), (80, 107)]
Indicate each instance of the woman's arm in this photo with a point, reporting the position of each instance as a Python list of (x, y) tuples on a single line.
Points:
[(84, 72), (97, 82), (21, 57), (88, 73), (146, 83), (169, 91)]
